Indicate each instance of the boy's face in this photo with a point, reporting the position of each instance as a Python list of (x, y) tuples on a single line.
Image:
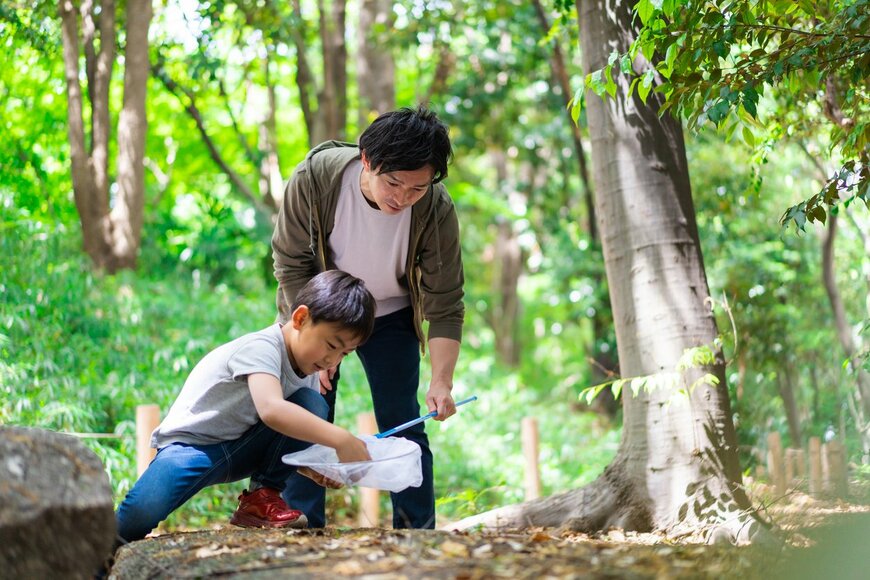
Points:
[(321, 346), (396, 191)]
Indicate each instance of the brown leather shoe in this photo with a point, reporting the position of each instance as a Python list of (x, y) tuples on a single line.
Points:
[(264, 508)]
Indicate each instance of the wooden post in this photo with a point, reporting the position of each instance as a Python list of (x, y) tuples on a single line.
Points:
[(370, 503), (836, 473), (815, 466), (530, 453), (789, 467), (147, 420), (774, 462)]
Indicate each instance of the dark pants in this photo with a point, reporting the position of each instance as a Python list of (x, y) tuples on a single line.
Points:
[(391, 359)]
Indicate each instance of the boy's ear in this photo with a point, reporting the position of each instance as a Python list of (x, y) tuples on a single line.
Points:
[(300, 316)]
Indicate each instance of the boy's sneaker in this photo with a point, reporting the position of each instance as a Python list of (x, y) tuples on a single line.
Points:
[(264, 508)]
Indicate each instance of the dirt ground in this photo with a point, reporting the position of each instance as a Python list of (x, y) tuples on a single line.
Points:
[(817, 539)]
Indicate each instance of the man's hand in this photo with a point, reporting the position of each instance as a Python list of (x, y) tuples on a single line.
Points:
[(326, 380), (318, 478), (438, 398)]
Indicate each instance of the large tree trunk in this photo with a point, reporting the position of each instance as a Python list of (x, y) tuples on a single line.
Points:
[(111, 229), (677, 468), (375, 67)]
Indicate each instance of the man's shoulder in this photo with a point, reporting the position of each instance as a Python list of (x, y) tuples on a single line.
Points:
[(331, 156)]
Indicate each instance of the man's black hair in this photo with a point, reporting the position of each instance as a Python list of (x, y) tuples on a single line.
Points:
[(407, 140), (336, 296)]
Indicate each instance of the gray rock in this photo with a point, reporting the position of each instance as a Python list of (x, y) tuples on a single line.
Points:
[(56, 514)]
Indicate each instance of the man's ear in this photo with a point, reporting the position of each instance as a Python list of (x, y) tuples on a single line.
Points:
[(300, 316), (365, 161)]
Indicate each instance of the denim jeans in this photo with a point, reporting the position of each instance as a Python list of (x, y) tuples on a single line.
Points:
[(179, 470), (391, 360)]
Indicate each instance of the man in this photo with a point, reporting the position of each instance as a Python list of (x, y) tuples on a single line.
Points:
[(379, 211)]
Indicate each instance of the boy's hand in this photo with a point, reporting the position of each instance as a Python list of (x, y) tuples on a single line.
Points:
[(319, 479), (352, 449)]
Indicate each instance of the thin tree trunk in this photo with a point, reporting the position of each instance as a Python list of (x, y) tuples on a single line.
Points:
[(375, 66), (677, 467), (305, 82), (507, 268), (189, 103), (271, 190), (560, 73), (787, 393), (861, 408), (332, 103), (132, 128)]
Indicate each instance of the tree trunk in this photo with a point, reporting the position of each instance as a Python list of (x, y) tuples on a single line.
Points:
[(560, 74), (332, 102), (111, 229), (126, 214), (375, 67), (785, 384), (271, 183), (677, 468), (861, 408)]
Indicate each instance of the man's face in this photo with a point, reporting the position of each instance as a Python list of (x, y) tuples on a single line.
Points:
[(396, 191)]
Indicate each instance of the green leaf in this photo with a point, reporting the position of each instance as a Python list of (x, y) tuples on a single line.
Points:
[(645, 85), (748, 136), (645, 10)]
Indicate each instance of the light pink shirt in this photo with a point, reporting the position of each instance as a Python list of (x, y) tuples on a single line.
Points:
[(370, 244)]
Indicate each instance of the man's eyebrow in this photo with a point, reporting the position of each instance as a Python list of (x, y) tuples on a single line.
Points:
[(340, 341), (402, 182)]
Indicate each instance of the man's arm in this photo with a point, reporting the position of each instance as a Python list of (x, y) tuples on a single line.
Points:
[(443, 353), (293, 259), (293, 421)]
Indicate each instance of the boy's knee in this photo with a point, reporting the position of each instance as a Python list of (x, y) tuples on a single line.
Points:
[(311, 401)]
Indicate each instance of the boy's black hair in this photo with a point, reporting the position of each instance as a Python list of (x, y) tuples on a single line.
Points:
[(336, 296), (406, 140)]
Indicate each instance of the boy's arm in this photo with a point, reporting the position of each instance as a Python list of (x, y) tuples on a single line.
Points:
[(294, 421)]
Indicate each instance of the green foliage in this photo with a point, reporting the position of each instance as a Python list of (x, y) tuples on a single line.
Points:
[(697, 357), (714, 61)]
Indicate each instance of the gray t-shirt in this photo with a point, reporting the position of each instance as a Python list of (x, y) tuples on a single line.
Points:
[(215, 403)]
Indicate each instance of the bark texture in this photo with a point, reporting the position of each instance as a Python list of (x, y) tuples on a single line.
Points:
[(375, 67), (677, 468), (111, 224)]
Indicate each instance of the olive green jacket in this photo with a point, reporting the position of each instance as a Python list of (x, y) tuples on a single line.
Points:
[(434, 275)]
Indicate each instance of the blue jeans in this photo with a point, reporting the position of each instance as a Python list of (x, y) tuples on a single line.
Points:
[(391, 360), (179, 470)]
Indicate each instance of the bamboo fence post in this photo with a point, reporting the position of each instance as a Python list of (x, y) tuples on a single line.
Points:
[(147, 420), (774, 462), (815, 453), (370, 503), (530, 453)]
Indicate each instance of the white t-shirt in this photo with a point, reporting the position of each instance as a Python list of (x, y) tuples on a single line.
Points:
[(370, 244), (215, 403)]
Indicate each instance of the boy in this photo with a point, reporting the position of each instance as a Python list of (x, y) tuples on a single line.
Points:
[(249, 402), (379, 211)]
